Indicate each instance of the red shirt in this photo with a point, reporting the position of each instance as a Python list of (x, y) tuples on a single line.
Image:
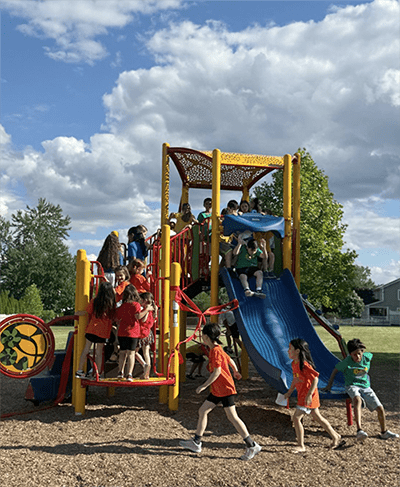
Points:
[(147, 325), (129, 325), (306, 376), (119, 290), (100, 327), (140, 282), (224, 385)]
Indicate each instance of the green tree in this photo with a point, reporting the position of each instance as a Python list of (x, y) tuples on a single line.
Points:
[(31, 301), (327, 271), (36, 253), (352, 306)]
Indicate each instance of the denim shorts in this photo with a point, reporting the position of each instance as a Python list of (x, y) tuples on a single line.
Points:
[(369, 396)]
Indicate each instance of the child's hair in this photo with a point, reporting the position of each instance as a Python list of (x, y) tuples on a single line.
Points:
[(224, 211), (134, 265), (355, 344), (104, 302), (130, 294), (109, 253), (233, 205), (256, 205), (147, 296), (305, 354), (213, 331), (124, 269), (206, 200), (247, 203), (185, 217), (252, 244)]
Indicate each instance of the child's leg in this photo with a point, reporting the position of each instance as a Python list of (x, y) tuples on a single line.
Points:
[(233, 417), (85, 351), (130, 354), (357, 403), (298, 427), (271, 261), (381, 418), (139, 358), (244, 281), (259, 279), (99, 356), (147, 367), (121, 362), (327, 427), (204, 411)]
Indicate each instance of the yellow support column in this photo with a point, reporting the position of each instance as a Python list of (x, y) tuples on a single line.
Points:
[(287, 212), (296, 217), (174, 389), (165, 307), (216, 203), (82, 300)]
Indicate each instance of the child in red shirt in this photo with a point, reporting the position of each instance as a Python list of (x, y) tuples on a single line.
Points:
[(101, 311), (128, 316), (305, 380), (146, 325), (122, 281), (222, 390), (136, 268)]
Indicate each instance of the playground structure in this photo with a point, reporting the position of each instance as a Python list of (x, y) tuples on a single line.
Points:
[(189, 262)]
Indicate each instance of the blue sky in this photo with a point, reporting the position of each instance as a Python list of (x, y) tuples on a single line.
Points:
[(91, 89)]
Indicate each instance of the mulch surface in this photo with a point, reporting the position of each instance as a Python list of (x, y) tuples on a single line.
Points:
[(132, 440)]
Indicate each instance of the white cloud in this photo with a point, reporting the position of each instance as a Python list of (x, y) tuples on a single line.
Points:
[(383, 275), (74, 26)]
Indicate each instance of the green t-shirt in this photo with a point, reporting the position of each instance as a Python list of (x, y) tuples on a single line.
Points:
[(247, 260), (356, 374)]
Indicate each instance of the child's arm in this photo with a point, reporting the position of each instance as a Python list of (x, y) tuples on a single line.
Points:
[(213, 377), (236, 250), (263, 247), (292, 387), (81, 313), (236, 374), (331, 379), (314, 384), (143, 314)]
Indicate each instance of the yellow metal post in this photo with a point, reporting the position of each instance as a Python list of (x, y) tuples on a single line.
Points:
[(165, 185), (174, 389), (287, 212), (165, 306), (82, 300), (296, 217), (216, 202)]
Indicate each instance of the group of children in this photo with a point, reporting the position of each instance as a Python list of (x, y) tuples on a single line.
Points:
[(128, 311), (355, 368)]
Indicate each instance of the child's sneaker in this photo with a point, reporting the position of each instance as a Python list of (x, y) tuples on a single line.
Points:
[(361, 435), (260, 294), (387, 435), (129, 378), (271, 275), (191, 445), (248, 293), (80, 374), (251, 452), (120, 375)]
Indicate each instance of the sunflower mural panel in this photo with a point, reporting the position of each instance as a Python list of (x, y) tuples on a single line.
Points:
[(26, 346)]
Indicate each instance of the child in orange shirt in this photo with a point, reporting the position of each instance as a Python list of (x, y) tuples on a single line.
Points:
[(101, 311), (136, 268), (122, 281), (305, 380), (222, 390)]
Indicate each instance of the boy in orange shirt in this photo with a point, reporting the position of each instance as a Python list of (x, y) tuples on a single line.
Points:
[(222, 390)]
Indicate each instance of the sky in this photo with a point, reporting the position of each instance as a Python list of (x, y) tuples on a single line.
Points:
[(91, 89)]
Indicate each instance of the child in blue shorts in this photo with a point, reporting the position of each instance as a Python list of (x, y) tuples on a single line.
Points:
[(355, 368)]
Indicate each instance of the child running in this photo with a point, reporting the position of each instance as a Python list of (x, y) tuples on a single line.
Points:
[(128, 316), (222, 390), (305, 380), (101, 311), (136, 268), (355, 368), (149, 310)]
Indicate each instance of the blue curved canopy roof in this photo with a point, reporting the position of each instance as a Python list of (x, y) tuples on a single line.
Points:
[(254, 222)]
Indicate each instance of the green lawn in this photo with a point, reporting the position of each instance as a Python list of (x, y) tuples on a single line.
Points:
[(61, 335), (382, 341)]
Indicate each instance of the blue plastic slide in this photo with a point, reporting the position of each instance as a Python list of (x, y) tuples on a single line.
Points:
[(268, 325)]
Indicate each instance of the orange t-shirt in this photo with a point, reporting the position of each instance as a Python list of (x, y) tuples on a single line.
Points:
[(100, 327), (140, 282), (224, 385), (119, 290), (306, 376), (129, 326)]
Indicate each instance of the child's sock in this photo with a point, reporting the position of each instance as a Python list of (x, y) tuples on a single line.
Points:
[(258, 289), (249, 442), (197, 439)]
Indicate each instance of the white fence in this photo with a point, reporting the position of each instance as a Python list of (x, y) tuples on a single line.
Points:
[(392, 320)]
